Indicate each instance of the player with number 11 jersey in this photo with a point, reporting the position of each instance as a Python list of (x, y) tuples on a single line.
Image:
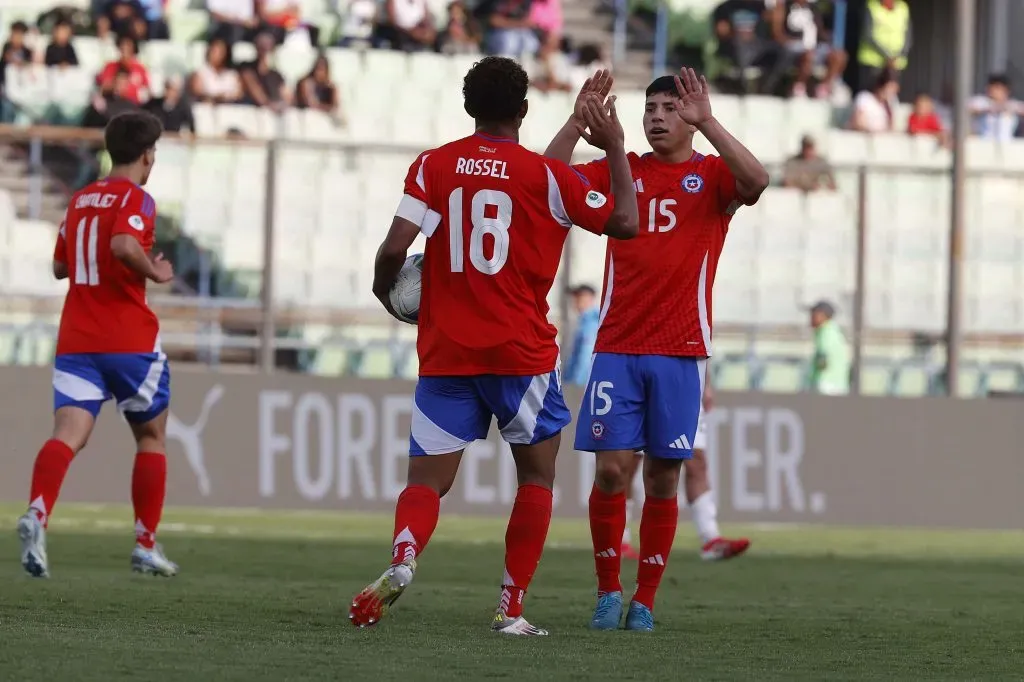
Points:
[(495, 216)]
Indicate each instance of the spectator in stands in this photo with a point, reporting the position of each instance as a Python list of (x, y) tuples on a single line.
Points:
[(262, 84), (232, 20), (552, 71), (138, 89), (800, 26), (283, 18), (16, 53), (508, 30), (60, 51), (742, 27), (996, 113), (577, 369), (830, 368), (808, 171), (109, 102), (173, 109), (886, 39), (156, 22), (461, 34), (358, 18), (925, 120), (215, 82), (546, 18), (408, 26), (873, 109), (317, 91)]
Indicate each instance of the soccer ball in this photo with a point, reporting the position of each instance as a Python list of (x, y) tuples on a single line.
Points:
[(405, 294)]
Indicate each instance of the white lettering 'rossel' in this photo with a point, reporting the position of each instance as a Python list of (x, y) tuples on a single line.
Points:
[(487, 167)]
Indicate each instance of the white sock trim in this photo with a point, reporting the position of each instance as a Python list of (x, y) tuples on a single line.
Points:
[(705, 517)]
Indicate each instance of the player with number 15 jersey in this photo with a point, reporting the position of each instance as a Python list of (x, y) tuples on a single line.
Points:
[(496, 217)]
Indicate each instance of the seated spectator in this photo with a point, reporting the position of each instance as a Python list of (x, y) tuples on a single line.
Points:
[(886, 39), (925, 120), (552, 73), (996, 113), (546, 19), (60, 51), (741, 27), (407, 26), (232, 20), (155, 21), (357, 21), (108, 103), (15, 52), (873, 109), (215, 81), (141, 19), (461, 34), (807, 170), (507, 28), (283, 18), (173, 109), (138, 89), (317, 91), (262, 85), (800, 26)]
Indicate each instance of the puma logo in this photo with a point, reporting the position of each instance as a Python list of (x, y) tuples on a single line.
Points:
[(191, 437)]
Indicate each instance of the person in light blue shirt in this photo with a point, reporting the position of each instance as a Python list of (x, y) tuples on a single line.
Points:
[(577, 369)]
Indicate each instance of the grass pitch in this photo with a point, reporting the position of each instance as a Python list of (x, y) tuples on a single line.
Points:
[(264, 596)]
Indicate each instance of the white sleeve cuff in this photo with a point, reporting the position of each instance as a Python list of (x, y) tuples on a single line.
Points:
[(412, 209)]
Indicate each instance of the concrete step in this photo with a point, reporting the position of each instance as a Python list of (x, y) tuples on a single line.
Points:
[(23, 183)]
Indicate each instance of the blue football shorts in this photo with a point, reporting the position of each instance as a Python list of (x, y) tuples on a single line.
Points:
[(642, 402), (449, 413), (139, 382)]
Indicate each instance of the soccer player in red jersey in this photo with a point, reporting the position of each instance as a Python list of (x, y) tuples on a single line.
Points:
[(108, 345), (647, 376), (496, 216)]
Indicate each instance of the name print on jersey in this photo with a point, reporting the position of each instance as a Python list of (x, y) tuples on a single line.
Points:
[(95, 200), (492, 168)]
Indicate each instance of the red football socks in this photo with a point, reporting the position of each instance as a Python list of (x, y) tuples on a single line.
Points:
[(657, 533), (149, 486), (415, 520), (524, 543), (48, 474), (607, 524)]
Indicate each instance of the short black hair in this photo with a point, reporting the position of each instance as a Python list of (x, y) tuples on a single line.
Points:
[(19, 26), (583, 289), (126, 37), (999, 79), (494, 89), (666, 84), (130, 135)]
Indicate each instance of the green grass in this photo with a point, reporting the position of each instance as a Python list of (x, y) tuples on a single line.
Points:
[(263, 596)]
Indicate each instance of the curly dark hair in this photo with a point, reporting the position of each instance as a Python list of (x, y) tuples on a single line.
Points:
[(130, 135), (494, 89)]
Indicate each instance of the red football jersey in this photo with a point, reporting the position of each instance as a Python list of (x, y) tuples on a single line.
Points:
[(105, 310), (496, 216), (657, 287)]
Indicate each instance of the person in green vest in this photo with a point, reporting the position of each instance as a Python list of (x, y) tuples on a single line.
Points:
[(886, 39), (830, 368)]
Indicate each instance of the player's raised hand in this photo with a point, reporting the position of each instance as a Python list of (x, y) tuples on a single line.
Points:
[(600, 125), (693, 95), (163, 271), (599, 84)]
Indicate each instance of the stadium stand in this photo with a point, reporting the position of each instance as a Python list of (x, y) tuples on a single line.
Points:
[(336, 187)]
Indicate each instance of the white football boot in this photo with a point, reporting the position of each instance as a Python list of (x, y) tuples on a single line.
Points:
[(33, 545), (153, 562), (505, 625)]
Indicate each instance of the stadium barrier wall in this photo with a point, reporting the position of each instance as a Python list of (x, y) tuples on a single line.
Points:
[(293, 441)]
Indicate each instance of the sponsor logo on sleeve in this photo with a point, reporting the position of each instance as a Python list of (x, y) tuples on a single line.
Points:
[(596, 199)]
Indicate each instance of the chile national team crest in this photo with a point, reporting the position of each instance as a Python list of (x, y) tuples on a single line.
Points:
[(597, 430), (693, 183)]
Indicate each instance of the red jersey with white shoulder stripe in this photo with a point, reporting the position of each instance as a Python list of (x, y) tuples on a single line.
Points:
[(657, 287), (105, 310), (496, 216)]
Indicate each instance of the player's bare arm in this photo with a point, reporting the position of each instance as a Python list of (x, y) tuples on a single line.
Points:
[(60, 269), (605, 132), (129, 251), (751, 176), (564, 142), (390, 257)]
